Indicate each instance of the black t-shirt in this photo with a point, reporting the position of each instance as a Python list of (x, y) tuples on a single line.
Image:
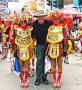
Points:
[(40, 31)]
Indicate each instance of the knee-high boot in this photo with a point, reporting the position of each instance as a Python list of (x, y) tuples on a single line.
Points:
[(57, 78), (54, 80)]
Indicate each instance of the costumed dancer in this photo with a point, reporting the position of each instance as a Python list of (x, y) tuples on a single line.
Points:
[(1, 31), (7, 28), (78, 41), (7, 32), (23, 42), (11, 41), (56, 37), (68, 23), (79, 32)]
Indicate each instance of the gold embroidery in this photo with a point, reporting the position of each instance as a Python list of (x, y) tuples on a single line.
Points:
[(23, 53), (55, 34), (23, 40), (54, 50)]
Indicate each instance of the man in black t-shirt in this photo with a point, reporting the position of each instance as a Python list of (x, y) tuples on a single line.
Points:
[(39, 33)]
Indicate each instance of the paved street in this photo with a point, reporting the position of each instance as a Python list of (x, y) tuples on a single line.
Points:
[(71, 77)]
